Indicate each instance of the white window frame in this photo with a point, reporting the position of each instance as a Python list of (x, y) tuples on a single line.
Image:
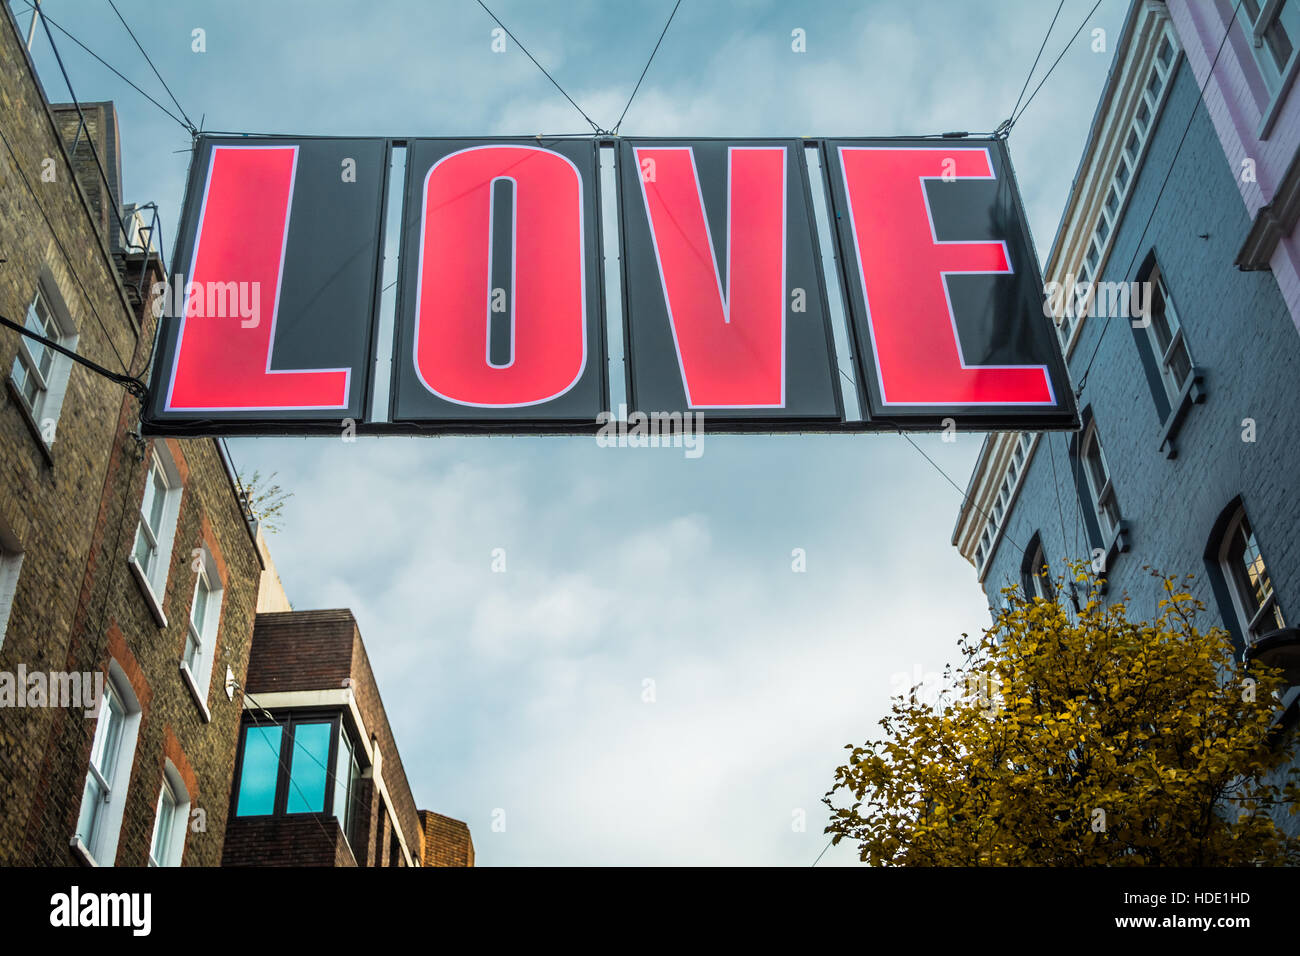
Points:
[(1250, 622), (11, 564), (98, 847), (153, 581), (203, 633), (1128, 163), (1277, 80), (173, 851), (1100, 496), (1273, 74), (44, 409), (1162, 356)]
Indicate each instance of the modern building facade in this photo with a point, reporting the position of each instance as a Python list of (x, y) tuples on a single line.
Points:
[(139, 606), (1189, 443), (318, 777)]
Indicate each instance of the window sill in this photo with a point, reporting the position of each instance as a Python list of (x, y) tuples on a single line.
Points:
[(21, 404), (155, 607), (188, 679), (82, 854), (1193, 393)]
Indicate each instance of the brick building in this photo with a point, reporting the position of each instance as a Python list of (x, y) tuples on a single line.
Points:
[(1188, 450), (125, 564), (131, 575), (341, 798), (447, 842)]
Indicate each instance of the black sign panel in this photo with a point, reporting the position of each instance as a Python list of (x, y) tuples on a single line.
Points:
[(944, 289), (271, 322), (500, 318), (268, 315), (725, 306)]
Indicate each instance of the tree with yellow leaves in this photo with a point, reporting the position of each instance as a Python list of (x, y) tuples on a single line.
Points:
[(1080, 739)]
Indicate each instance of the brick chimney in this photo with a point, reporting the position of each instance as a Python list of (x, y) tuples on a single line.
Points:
[(446, 841), (100, 129)]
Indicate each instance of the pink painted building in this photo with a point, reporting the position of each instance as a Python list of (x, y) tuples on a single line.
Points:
[(1245, 55)]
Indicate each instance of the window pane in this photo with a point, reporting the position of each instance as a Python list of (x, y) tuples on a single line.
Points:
[(34, 323), (144, 552), (45, 363), (307, 770), (158, 500), (162, 832), (32, 391), (1254, 573), (1160, 318), (199, 609), (1279, 43), (108, 743), (1096, 466), (150, 492), (259, 771), (192, 654), (1153, 85), (1110, 510), (1179, 366), (92, 800), (343, 783)]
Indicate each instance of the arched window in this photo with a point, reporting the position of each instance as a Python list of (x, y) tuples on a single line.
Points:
[(1254, 603), (1035, 579)]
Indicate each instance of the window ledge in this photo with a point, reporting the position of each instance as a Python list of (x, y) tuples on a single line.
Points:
[(188, 679), (1193, 393), (21, 404), (80, 851), (155, 607)]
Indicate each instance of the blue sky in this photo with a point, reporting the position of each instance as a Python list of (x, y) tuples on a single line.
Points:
[(524, 691)]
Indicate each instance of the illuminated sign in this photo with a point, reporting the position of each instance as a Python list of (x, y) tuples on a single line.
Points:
[(945, 294), (271, 322)]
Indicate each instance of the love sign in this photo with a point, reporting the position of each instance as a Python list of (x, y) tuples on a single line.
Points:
[(505, 286)]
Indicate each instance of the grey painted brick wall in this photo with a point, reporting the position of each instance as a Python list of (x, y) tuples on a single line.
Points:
[(1240, 333)]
